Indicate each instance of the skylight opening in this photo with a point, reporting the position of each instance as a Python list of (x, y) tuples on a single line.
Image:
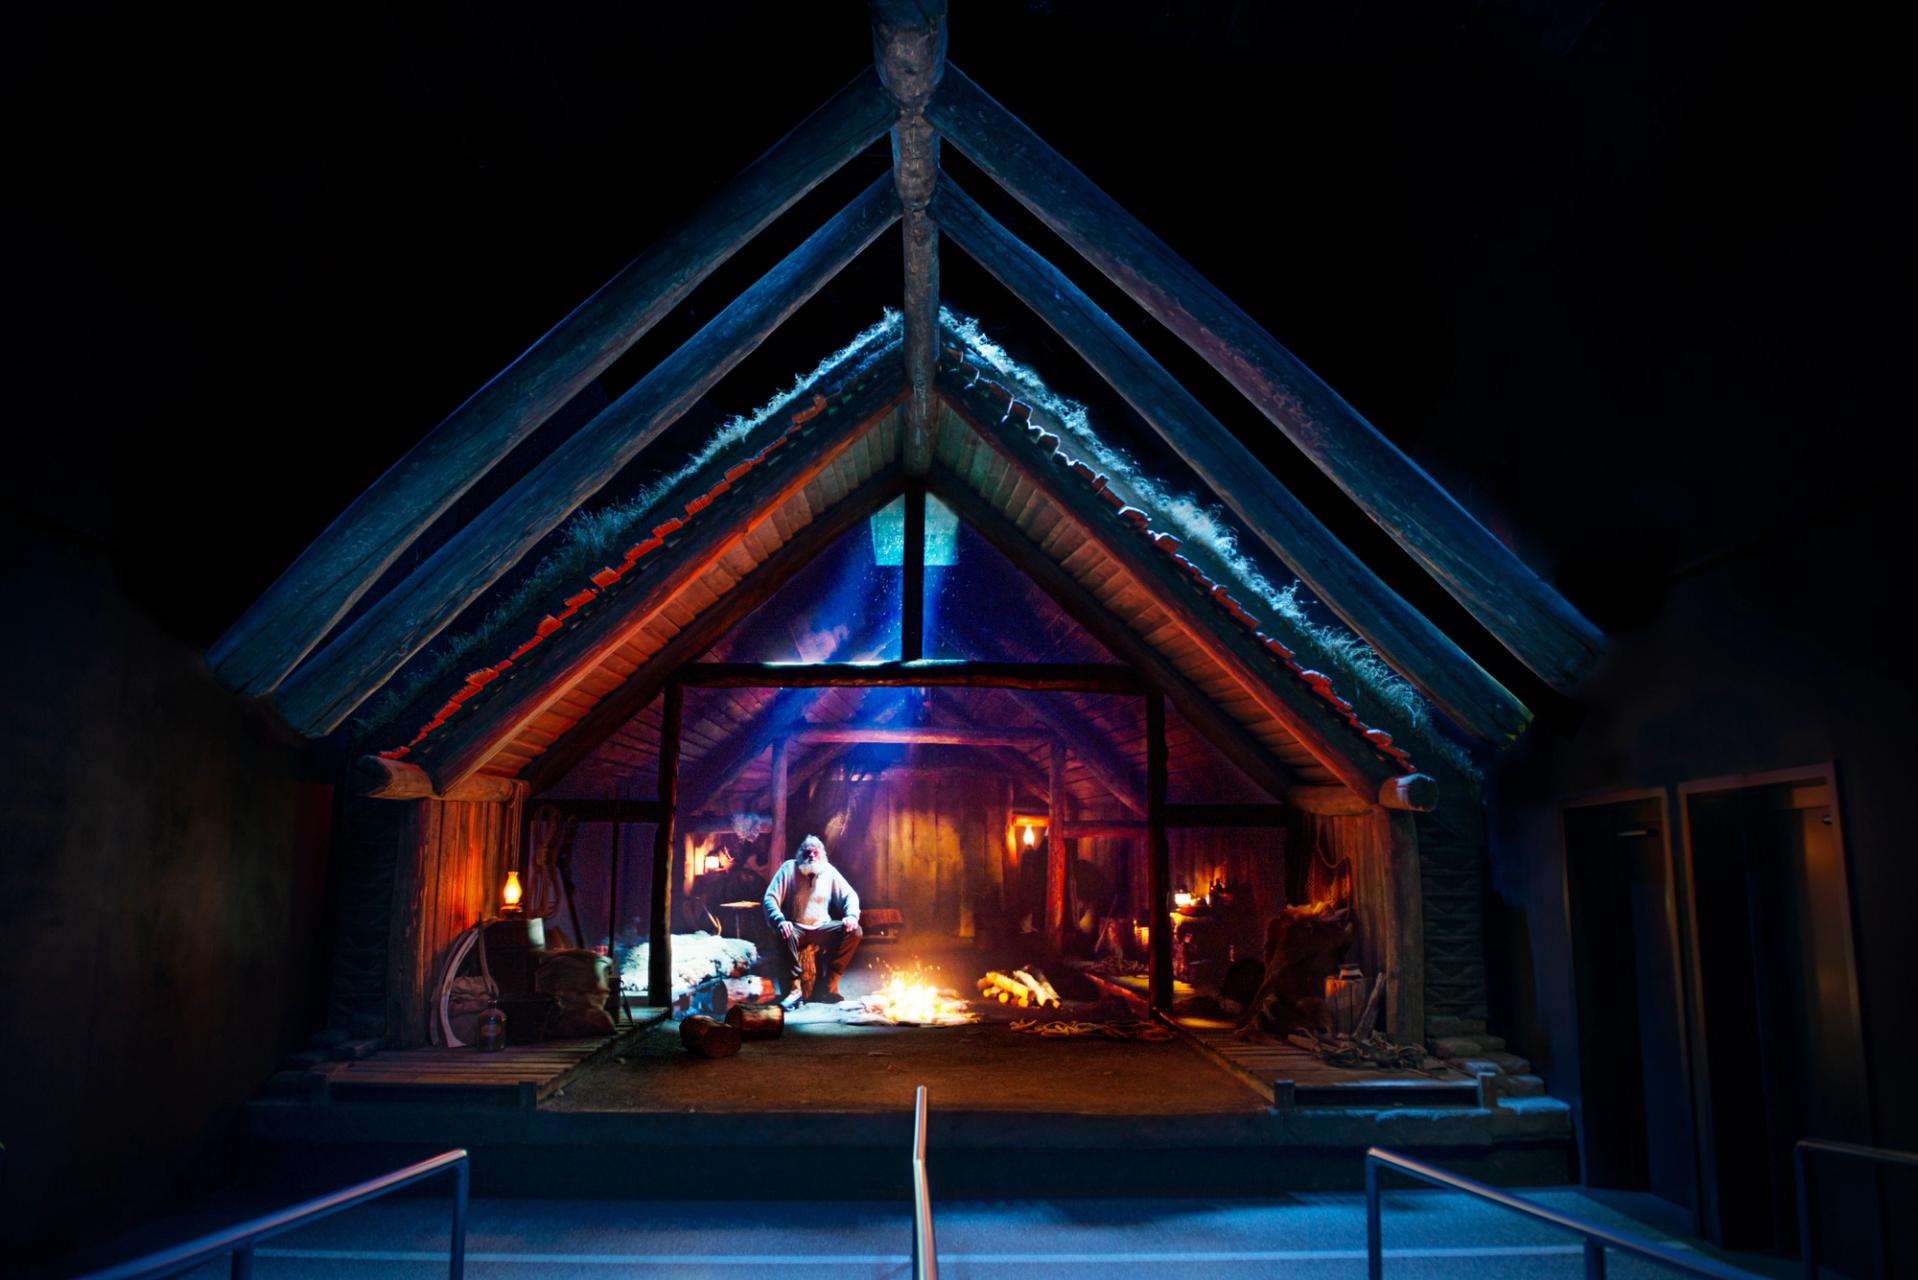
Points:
[(889, 534)]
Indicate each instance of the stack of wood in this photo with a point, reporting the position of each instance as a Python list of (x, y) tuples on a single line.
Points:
[(1026, 988)]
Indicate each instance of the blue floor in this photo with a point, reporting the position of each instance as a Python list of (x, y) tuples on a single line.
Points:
[(1306, 1235)]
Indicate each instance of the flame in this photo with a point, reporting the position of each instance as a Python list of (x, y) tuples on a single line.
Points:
[(509, 894), (913, 999)]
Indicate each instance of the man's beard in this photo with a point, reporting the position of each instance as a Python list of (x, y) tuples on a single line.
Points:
[(809, 870)]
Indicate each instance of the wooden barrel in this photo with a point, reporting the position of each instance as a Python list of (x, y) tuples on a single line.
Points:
[(708, 1037), (757, 1021)]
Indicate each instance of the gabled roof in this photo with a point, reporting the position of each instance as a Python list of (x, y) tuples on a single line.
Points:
[(922, 410)]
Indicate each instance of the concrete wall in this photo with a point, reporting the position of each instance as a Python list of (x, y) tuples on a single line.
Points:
[(160, 891)]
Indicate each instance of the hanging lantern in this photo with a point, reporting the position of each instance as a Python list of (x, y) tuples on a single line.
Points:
[(509, 894), (715, 863), (1031, 836)]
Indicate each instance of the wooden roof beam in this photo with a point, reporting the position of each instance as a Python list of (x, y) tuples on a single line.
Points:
[(326, 689), (1100, 760), (307, 600), (1052, 677), (1307, 717), (703, 632), (909, 53), (1402, 636), (568, 655), (1513, 603), (1224, 733)]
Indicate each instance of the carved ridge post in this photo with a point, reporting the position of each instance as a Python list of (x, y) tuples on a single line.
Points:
[(659, 971), (909, 52)]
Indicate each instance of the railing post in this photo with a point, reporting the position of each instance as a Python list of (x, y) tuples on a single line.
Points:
[(1594, 1260), (925, 1253), (456, 1252), (242, 1268), (1374, 1248), (1807, 1230)]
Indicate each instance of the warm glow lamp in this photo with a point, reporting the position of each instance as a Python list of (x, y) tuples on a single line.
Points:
[(1031, 838), (1182, 898), (509, 895), (715, 863)]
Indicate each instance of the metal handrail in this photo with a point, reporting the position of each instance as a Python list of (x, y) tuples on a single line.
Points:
[(925, 1257), (1597, 1238), (1801, 1151), (239, 1240)]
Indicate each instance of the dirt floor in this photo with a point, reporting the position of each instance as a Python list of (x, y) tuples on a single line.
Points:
[(824, 1064)]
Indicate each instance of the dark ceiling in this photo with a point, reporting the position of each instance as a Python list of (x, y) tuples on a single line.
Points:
[(1618, 273)]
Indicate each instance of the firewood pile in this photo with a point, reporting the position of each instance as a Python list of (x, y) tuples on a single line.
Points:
[(1026, 988)]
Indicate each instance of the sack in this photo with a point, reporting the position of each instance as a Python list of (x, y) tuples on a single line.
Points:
[(458, 1002), (466, 999)]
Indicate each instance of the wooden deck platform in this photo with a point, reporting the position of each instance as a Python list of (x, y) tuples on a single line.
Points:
[(1290, 1077), (519, 1075)]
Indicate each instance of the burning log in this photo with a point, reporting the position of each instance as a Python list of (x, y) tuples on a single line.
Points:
[(709, 1037)]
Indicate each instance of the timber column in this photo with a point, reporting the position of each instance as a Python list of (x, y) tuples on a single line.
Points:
[(909, 51)]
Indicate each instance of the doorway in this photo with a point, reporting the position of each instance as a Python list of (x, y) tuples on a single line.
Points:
[(1633, 1112), (1775, 1005)]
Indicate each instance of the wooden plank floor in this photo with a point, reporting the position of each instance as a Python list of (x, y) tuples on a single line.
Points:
[(1292, 1077), (1289, 1076), (528, 1073)]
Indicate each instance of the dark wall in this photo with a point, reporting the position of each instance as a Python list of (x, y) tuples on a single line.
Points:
[(159, 892)]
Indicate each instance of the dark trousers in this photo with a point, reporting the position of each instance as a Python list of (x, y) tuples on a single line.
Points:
[(832, 946)]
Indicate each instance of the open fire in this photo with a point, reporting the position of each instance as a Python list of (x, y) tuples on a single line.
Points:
[(912, 998)]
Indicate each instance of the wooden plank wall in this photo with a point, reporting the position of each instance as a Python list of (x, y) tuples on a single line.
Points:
[(930, 843), (451, 861), (1381, 850)]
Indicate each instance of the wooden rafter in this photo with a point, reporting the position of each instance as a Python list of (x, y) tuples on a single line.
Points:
[(703, 632), (1512, 602), (1223, 732), (1401, 635), (282, 627), (326, 688), (569, 655), (1331, 740)]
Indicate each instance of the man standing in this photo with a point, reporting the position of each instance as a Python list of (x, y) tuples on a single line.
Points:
[(811, 906)]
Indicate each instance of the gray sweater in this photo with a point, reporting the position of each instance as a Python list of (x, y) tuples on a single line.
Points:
[(782, 895)]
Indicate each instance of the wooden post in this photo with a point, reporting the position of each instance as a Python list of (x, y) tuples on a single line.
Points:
[(659, 972), (912, 583), (909, 51), (1531, 619), (1403, 637), (365, 654), (1056, 905), (782, 770), (304, 603), (1160, 851), (1405, 978), (612, 903)]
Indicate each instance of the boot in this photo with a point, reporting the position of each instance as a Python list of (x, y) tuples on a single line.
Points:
[(794, 997), (831, 994)]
